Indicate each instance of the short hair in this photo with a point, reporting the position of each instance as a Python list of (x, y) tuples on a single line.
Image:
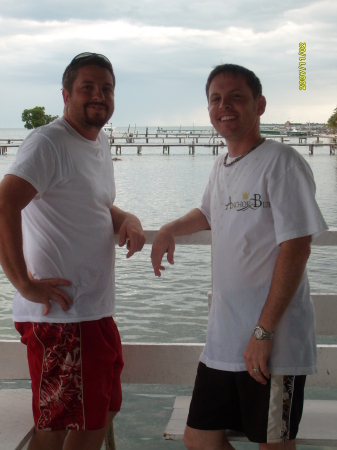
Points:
[(82, 60), (251, 79)]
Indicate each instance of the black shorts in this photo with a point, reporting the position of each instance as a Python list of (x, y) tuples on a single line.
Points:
[(268, 413)]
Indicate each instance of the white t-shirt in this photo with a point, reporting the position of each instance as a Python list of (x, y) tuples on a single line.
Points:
[(67, 227), (253, 206)]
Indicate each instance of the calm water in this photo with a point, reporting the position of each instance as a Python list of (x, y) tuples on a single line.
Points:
[(159, 188)]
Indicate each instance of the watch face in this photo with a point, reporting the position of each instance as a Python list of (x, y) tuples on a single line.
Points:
[(258, 333)]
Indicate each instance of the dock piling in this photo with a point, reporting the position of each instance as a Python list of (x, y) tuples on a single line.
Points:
[(191, 148)]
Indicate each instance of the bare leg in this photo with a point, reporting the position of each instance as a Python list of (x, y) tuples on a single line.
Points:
[(88, 440), (288, 445), (206, 440), (51, 440)]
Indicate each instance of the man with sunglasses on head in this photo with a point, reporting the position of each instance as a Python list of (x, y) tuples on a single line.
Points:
[(58, 222)]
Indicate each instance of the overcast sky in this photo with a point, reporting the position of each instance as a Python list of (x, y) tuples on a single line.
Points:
[(162, 52)]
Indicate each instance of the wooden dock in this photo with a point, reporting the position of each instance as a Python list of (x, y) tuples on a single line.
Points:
[(166, 147), (166, 140), (214, 146)]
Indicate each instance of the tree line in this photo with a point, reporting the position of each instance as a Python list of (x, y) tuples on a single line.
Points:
[(332, 121)]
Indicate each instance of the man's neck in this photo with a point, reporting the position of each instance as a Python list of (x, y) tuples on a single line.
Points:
[(238, 147), (90, 133)]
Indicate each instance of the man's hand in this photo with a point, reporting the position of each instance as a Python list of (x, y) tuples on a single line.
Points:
[(163, 243), (43, 291), (256, 357), (131, 232)]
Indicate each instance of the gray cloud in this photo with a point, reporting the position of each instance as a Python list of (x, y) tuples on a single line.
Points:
[(213, 14), (161, 70)]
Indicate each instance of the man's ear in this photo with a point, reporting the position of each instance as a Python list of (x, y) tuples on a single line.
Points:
[(65, 95), (261, 105)]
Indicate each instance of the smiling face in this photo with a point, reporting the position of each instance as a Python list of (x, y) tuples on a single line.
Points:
[(91, 102), (232, 109)]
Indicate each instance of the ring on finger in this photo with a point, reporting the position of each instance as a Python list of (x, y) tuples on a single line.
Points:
[(256, 370)]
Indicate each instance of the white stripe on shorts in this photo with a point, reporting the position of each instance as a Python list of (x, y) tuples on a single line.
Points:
[(279, 408)]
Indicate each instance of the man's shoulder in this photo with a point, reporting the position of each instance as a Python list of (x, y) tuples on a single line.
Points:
[(280, 159), (280, 147), (52, 132), (282, 153), (103, 138)]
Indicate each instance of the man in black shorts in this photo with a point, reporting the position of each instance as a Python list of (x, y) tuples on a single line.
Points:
[(260, 205)]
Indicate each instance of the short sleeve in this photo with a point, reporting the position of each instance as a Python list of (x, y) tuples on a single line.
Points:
[(38, 163), (205, 204), (294, 207)]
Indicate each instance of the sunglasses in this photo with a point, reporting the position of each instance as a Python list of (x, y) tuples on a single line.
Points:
[(87, 55)]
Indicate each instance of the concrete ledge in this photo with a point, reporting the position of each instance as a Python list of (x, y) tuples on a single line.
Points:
[(13, 361), (160, 363), (205, 237), (325, 311)]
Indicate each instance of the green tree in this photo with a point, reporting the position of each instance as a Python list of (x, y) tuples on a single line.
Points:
[(36, 117), (332, 121)]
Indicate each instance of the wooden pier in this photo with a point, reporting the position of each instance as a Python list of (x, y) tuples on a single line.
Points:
[(192, 146), (166, 147), (192, 141), (174, 138)]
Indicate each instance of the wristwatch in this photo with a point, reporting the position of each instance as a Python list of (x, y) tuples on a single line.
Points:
[(261, 334)]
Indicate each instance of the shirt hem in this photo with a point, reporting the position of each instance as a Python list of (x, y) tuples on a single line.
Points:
[(40, 319), (238, 367)]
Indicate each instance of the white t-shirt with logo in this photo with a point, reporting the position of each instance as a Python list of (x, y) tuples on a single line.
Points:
[(67, 227), (252, 206)]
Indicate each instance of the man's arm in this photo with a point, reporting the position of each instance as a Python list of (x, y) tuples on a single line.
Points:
[(129, 229), (164, 242), (287, 275), (15, 195)]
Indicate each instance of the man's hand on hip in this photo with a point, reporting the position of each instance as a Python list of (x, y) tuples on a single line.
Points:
[(256, 357), (43, 291)]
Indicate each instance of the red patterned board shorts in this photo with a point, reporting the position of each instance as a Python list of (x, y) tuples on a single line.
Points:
[(75, 371)]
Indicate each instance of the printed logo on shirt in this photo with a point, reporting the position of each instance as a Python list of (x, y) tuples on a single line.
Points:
[(254, 203)]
